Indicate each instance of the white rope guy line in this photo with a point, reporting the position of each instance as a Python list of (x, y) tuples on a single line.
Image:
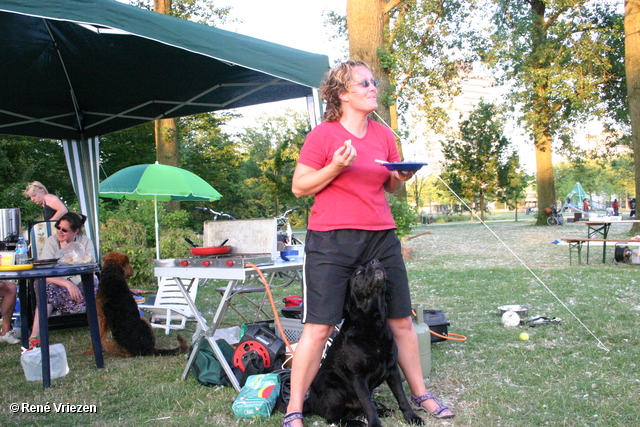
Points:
[(600, 343)]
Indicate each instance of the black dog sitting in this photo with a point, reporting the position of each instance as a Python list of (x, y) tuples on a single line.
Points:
[(363, 355)]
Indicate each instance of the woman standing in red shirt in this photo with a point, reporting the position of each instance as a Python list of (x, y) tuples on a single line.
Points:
[(351, 224)]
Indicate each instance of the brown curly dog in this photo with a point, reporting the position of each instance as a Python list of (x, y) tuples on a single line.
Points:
[(131, 334)]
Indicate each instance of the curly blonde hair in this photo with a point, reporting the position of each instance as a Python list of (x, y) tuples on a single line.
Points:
[(337, 82), (34, 188)]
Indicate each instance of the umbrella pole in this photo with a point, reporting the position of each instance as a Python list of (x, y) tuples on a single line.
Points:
[(155, 205)]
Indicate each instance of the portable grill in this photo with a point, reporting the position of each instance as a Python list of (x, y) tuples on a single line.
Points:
[(230, 260)]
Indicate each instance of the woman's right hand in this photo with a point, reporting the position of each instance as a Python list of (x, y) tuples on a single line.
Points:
[(344, 156), (308, 180)]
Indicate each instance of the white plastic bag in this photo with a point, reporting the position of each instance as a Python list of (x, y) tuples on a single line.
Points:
[(31, 361), (74, 253)]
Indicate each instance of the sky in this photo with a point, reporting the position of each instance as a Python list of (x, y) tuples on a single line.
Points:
[(294, 23)]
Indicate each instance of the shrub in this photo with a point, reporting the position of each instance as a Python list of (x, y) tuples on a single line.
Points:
[(173, 245), (128, 237), (403, 214)]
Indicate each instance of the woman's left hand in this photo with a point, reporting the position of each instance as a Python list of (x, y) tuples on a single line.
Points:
[(74, 292), (404, 175)]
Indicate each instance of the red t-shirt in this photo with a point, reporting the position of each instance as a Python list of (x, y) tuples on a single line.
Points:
[(355, 199)]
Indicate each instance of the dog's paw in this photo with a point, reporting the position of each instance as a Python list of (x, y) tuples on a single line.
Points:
[(414, 419), (382, 409)]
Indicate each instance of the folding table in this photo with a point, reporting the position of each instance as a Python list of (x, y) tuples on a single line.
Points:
[(237, 277)]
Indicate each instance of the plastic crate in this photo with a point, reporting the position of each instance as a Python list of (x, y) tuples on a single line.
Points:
[(292, 329)]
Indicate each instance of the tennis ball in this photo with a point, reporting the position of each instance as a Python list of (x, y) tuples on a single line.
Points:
[(524, 336)]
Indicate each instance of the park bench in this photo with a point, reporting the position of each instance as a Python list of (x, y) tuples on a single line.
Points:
[(575, 245)]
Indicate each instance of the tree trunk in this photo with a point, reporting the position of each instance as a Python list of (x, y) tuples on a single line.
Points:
[(544, 115), (544, 172), (366, 22), (165, 129), (632, 69), (167, 142)]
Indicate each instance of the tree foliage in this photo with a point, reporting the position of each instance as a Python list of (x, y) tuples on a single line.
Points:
[(215, 157), (24, 159), (602, 179), (417, 56), (561, 58), (475, 158), (273, 147), (426, 43), (201, 11)]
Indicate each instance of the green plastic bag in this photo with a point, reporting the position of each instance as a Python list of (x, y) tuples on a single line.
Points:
[(206, 367)]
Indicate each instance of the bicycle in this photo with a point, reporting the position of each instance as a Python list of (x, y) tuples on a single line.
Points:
[(285, 233), (555, 217), (214, 213), (286, 238)]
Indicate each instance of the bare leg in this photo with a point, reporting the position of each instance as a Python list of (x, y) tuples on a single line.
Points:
[(306, 363), (35, 329), (409, 358), (8, 295)]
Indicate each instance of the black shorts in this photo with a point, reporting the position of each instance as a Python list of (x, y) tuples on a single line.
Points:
[(331, 257)]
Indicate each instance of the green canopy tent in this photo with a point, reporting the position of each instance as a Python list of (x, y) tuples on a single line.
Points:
[(77, 69), (575, 198)]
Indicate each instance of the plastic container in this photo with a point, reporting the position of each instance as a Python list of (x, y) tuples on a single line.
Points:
[(7, 258), (290, 255), (22, 252), (424, 342), (32, 363)]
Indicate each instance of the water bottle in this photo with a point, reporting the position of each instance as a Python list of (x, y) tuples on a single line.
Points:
[(22, 255), (424, 342)]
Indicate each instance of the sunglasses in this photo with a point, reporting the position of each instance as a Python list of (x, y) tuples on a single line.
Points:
[(64, 230), (366, 83)]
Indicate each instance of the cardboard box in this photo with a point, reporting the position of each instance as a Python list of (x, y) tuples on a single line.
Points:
[(258, 397)]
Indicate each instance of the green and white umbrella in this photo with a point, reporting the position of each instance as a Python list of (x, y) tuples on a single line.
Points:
[(158, 183)]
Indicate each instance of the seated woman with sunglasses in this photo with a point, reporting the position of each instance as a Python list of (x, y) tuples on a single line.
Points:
[(64, 294)]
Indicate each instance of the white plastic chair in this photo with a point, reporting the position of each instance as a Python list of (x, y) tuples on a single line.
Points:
[(170, 309)]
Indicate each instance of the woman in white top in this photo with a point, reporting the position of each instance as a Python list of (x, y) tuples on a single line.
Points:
[(65, 294)]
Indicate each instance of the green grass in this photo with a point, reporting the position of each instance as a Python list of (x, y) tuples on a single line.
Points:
[(559, 377)]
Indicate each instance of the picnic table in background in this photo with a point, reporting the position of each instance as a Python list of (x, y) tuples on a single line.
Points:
[(597, 231)]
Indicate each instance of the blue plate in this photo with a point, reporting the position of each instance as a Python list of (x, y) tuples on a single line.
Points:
[(404, 166)]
